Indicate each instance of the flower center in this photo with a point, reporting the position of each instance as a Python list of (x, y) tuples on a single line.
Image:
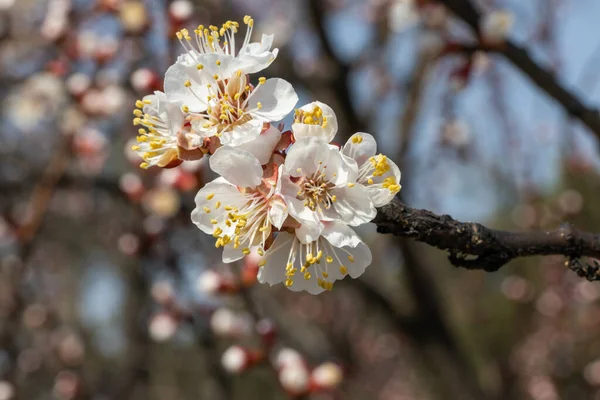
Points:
[(315, 191), (314, 117), (244, 226)]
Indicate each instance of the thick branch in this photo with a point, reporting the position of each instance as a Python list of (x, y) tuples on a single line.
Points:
[(474, 246), (542, 77)]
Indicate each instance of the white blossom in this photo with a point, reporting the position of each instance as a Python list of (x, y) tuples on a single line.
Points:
[(378, 174), (162, 121), (319, 184), (229, 106), (314, 266), (240, 209)]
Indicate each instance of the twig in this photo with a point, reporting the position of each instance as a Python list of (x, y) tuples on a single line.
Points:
[(541, 76), (474, 246)]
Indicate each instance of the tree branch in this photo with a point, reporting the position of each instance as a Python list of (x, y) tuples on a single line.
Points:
[(474, 246), (542, 77)]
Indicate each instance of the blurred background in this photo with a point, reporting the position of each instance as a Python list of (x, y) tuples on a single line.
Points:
[(108, 291)]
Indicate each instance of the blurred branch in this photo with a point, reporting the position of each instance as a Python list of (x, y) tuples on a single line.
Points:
[(542, 77), (474, 246)]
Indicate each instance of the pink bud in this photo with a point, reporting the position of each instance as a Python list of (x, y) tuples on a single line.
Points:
[(237, 359), (294, 379), (326, 376), (286, 357), (227, 323), (162, 327), (181, 10)]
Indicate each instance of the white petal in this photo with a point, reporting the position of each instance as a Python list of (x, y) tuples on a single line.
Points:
[(348, 249), (216, 191), (326, 133), (276, 258), (360, 147), (264, 144), (340, 234), (277, 98), (277, 212), (353, 205), (308, 232), (308, 155), (273, 272), (176, 91), (237, 166), (241, 134), (231, 254)]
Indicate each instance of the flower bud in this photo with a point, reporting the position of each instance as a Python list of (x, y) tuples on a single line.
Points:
[(162, 327), (181, 10), (294, 379), (286, 357), (495, 26), (237, 359), (326, 376), (227, 323), (211, 282)]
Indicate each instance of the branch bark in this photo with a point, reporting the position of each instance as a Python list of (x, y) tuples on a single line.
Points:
[(542, 77), (476, 247)]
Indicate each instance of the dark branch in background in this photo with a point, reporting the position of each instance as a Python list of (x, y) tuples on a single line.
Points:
[(474, 246), (541, 76)]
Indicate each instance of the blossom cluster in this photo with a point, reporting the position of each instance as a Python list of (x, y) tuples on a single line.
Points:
[(289, 198)]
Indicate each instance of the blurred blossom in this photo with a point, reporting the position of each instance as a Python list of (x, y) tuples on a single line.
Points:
[(549, 303), (455, 133), (35, 316), (286, 357), (266, 329), (516, 288), (178, 178), (114, 98), (327, 376), (294, 379), (154, 225), (6, 4), (66, 385), (162, 327), (78, 83), (496, 25), (70, 349), (403, 15), (235, 359), (89, 141), (181, 10), (7, 390), (434, 16), (524, 216), (163, 202), (129, 244), (29, 360), (162, 292), (570, 202), (228, 323), (431, 43), (209, 282), (542, 388), (586, 292), (592, 373), (133, 16), (131, 184), (144, 80), (55, 23), (37, 100)]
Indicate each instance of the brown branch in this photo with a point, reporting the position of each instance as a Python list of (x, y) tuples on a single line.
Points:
[(474, 246), (542, 77)]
